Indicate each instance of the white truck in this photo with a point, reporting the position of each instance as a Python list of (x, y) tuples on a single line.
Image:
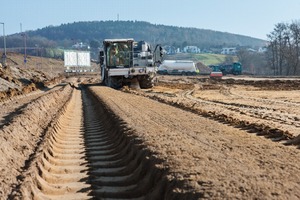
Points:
[(177, 67), (124, 61)]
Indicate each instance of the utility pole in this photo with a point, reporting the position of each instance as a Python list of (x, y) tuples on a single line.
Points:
[(24, 35), (4, 43), (25, 56)]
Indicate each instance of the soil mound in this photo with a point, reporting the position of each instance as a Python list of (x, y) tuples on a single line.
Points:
[(203, 68), (17, 79)]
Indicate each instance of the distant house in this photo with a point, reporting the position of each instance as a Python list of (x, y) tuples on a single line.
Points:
[(170, 50), (191, 49), (80, 45), (262, 49), (251, 50), (228, 50)]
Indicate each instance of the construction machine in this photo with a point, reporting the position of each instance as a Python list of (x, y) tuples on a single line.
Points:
[(126, 62), (234, 68)]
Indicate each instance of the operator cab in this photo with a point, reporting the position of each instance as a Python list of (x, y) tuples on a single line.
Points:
[(118, 53)]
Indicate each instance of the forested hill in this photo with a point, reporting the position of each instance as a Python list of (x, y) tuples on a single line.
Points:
[(96, 31)]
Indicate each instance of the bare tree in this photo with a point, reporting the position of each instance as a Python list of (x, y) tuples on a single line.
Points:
[(284, 48), (295, 46), (277, 46), (253, 62)]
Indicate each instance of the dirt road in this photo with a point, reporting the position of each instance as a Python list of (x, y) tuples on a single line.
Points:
[(108, 144)]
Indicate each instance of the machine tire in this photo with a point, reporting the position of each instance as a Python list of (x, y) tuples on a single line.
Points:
[(103, 75), (146, 82), (113, 82)]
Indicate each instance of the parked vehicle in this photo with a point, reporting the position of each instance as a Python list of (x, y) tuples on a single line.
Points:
[(177, 67), (216, 75)]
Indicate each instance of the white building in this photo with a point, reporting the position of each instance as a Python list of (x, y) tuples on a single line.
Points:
[(80, 45), (228, 50), (191, 49), (262, 49)]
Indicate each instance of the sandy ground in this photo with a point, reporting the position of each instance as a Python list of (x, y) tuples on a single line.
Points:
[(208, 142), (214, 139), (216, 160), (265, 105)]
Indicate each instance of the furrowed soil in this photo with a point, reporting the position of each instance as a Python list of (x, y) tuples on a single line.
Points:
[(210, 158), (185, 138)]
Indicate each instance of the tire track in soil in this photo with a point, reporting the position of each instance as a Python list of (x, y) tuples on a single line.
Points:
[(260, 112), (61, 170), (12, 107), (271, 109), (269, 113), (251, 111), (268, 131), (86, 156)]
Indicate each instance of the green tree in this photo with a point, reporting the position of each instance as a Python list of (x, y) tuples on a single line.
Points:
[(95, 44), (184, 44), (49, 53)]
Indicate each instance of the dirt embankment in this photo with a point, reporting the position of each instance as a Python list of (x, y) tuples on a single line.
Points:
[(20, 138), (204, 157), (17, 79)]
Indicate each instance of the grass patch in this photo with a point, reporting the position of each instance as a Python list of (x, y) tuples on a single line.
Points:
[(206, 59), (210, 59)]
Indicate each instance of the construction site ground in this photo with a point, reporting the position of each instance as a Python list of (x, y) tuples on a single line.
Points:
[(185, 138)]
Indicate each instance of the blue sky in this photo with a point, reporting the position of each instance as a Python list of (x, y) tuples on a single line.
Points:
[(255, 18)]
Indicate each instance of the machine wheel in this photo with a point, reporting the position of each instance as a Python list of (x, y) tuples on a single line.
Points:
[(113, 82), (103, 75), (146, 82)]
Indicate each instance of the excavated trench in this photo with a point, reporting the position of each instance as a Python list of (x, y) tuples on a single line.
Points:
[(89, 153)]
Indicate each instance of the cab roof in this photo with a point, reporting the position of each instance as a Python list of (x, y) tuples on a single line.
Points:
[(118, 40)]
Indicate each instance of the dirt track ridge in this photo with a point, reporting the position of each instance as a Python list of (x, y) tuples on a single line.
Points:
[(108, 144), (86, 156)]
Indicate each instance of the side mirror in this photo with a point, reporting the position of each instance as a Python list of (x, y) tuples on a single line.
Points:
[(101, 57), (158, 54), (161, 53)]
